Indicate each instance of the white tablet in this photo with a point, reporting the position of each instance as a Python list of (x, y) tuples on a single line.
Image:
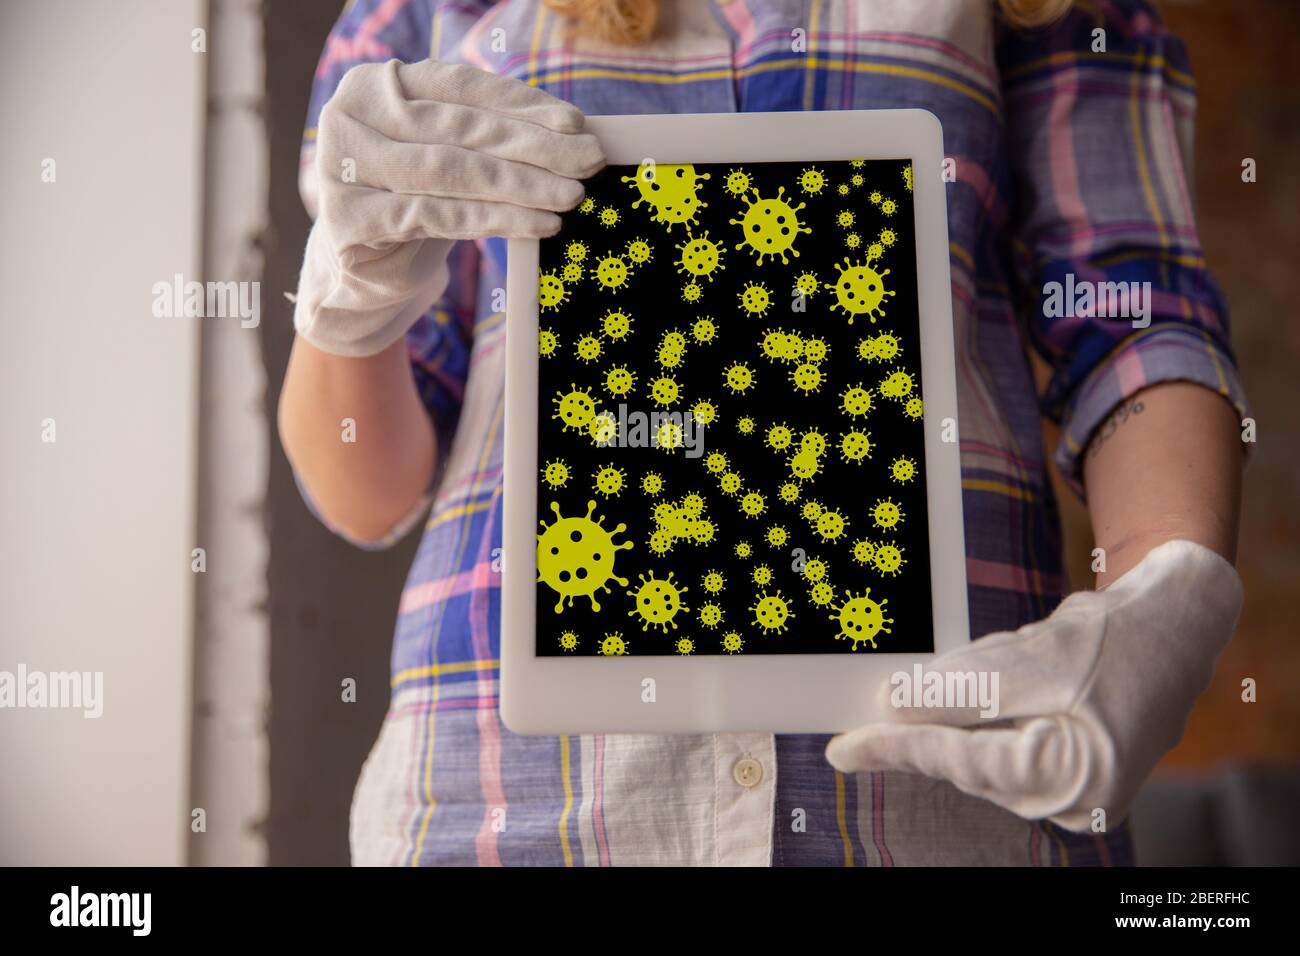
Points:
[(732, 488)]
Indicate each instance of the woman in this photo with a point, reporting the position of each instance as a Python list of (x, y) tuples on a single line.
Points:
[(1069, 132)]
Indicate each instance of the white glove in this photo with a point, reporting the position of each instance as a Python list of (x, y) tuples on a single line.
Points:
[(409, 158), (1090, 698)]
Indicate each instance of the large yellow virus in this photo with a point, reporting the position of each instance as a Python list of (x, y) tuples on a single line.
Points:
[(575, 556), (860, 619), (669, 190), (772, 613), (575, 408), (770, 226), (699, 256), (860, 290), (657, 601)]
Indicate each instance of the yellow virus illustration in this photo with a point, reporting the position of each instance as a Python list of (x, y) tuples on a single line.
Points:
[(575, 556), (807, 378), (703, 531), (898, 384), (842, 189), (889, 207), (812, 181), (856, 401), (743, 549), (572, 272), (864, 552), (704, 412), (669, 190), (547, 343), (609, 216), (699, 256), (685, 646), (576, 251), (710, 615), (813, 441), (609, 480), (753, 504), (575, 408), (762, 575), (831, 524), (788, 492), (737, 182), (879, 348), (853, 240), (886, 514), (556, 474), (875, 251), (806, 283), (693, 505), (714, 582), (792, 347), (855, 446), (861, 619), (715, 462), (914, 408), (602, 428), (887, 237), (779, 437), (692, 291), (815, 350), (657, 601), (732, 642), (822, 593), (639, 251), (613, 645), (615, 325), (876, 197), (755, 299), (619, 381), (670, 357), (770, 226), (551, 293), (568, 641), (777, 536), (857, 179), (860, 290), (805, 465), (673, 340), (907, 177), (857, 163), (652, 483), (588, 205), (669, 436), (588, 348), (773, 344), (661, 542), (772, 613), (815, 569), (664, 390), (888, 559), (739, 378), (845, 219), (611, 273), (704, 330), (731, 483)]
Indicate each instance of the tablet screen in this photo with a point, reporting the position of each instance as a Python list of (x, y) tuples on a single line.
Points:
[(730, 436)]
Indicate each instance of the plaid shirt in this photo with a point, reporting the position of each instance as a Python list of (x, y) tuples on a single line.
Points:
[(1067, 161)]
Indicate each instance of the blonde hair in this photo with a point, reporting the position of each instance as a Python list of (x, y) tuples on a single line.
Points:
[(633, 21)]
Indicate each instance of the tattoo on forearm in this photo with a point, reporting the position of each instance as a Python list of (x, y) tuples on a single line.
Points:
[(1118, 418)]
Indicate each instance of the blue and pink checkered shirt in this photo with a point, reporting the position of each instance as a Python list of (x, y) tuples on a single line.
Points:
[(1068, 161)]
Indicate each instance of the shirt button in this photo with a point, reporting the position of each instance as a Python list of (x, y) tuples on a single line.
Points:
[(748, 772)]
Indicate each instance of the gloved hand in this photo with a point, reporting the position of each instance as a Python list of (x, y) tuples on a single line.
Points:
[(1090, 698), (411, 157)]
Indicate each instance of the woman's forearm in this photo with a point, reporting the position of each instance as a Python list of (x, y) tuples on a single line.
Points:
[(1165, 465), (367, 477)]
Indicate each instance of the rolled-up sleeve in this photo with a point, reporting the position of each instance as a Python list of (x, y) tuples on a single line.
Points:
[(1100, 109)]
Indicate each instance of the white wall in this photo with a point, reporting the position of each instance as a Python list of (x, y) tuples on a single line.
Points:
[(96, 528)]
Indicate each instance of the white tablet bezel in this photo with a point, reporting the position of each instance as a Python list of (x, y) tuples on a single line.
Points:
[(814, 693)]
